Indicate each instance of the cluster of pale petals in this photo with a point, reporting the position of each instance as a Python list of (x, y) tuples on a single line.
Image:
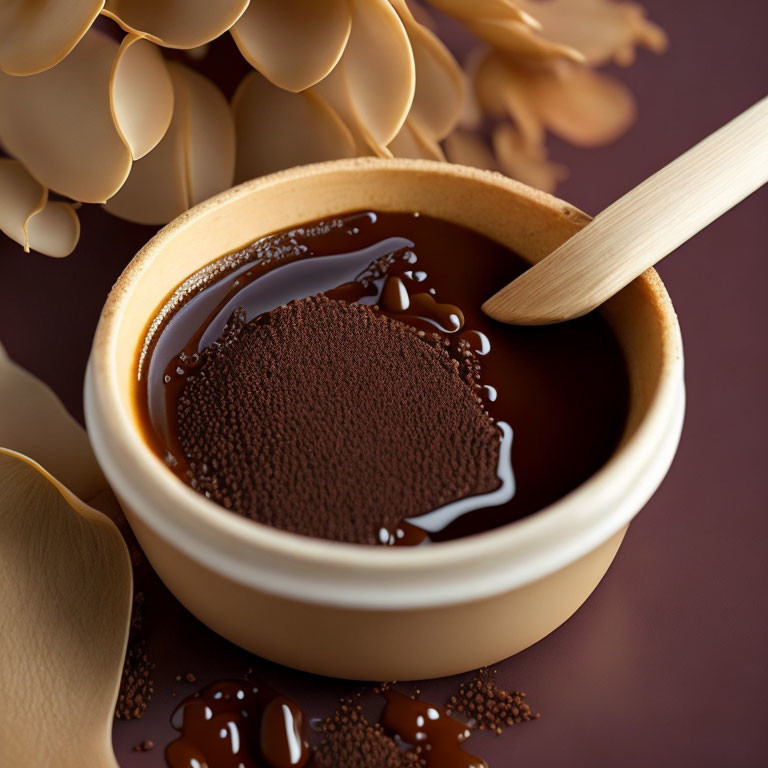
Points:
[(96, 114)]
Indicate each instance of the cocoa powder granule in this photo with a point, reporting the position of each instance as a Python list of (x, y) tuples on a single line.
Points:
[(352, 741), (145, 746), (332, 420), (136, 685), (488, 706)]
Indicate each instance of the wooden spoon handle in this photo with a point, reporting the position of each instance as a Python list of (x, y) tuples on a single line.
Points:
[(642, 227)]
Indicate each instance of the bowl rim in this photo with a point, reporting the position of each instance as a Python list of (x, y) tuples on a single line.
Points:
[(224, 542)]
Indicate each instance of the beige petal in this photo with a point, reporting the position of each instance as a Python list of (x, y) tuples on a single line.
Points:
[(519, 39), (141, 95), (490, 9), (504, 88), (210, 140), (529, 165), (411, 142), (156, 191), (471, 116), (602, 30), (471, 149), (379, 68), (65, 599), (582, 106), (439, 93), (194, 160), (35, 36), (20, 197), (294, 43), (54, 230), (176, 24), (29, 218), (333, 91), (34, 422), (301, 129), (59, 123)]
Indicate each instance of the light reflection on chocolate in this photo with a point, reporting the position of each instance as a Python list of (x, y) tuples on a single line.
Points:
[(238, 724), (431, 728)]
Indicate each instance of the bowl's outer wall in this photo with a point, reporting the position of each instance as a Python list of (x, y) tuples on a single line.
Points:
[(374, 644)]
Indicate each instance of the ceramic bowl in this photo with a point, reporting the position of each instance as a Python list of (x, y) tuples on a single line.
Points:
[(366, 612)]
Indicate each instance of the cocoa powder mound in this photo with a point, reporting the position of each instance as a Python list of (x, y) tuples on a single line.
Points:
[(332, 420)]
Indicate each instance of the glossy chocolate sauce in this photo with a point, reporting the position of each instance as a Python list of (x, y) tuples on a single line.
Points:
[(245, 724), (424, 725), (559, 394), (238, 724)]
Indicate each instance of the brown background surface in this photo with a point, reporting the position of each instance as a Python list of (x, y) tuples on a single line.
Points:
[(666, 662)]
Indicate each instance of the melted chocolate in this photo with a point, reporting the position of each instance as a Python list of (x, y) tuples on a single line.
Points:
[(431, 728), (238, 724), (562, 389), (242, 724)]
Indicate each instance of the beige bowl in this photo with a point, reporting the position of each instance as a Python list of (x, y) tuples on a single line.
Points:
[(365, 612)]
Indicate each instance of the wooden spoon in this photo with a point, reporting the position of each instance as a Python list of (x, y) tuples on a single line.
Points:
[(65, 603), (642, 227)]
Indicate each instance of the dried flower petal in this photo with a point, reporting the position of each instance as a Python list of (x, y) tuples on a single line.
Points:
[(34, 422), (301, 129), (174, 24), (20, 197), (142, 95), (194, 160), (37, 36), (490, 9), (504, 89), (59, 123), (29, 218), (519, 39), (528, 164), (379, 69), (210, 135), (580, 105), (294, 43), (439, 93), (333, 91), (411, 142), (66, 603), (470, 149), (570, 100), (471, 116), (54, 230), (602, 30)]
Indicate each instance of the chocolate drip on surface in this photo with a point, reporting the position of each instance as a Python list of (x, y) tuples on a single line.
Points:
[(238, 724), (429, 727)]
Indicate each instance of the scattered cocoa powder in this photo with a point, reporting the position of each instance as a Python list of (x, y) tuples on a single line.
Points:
[(137, 614), (352, 741), (488, 706), (136, 685), (332, 420), (190, 677)]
